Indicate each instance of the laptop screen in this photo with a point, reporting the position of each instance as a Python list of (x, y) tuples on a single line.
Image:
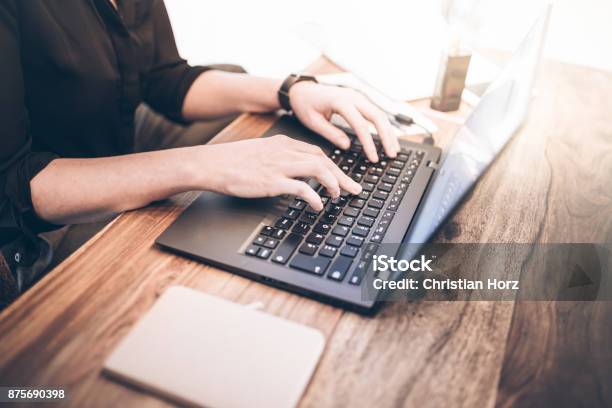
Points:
[(500, 112)]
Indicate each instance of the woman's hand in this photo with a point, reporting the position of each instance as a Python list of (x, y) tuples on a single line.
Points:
[(314, 104), (269, 167)]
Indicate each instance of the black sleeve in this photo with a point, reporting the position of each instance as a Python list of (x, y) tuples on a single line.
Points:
[(171, 77), (18, 163)]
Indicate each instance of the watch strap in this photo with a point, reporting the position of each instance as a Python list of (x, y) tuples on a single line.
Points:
[(283, 92)]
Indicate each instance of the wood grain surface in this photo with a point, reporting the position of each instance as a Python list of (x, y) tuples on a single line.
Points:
[(553, 183)]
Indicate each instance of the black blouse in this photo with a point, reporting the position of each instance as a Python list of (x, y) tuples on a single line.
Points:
[(72, 73)]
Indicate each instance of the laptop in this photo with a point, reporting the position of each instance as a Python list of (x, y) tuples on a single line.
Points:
[(283, 242)]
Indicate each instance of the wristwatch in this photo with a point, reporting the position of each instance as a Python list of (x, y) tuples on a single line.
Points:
[(283, 92)]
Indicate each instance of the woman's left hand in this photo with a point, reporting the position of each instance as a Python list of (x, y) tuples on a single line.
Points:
[(314, 104)]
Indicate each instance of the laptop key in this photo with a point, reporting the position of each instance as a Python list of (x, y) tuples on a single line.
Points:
[(315, 238), (279, 234), (357, 203), (381, 195), (328, 218), (359, 272), (355, 240), (328, 251), (384, 223), (339, 268), (400, 191), (252, 250), (260, 240), (376, 203), (377, 171), (284, 223), (322, 228), (317, 265), (371, 212), (324, 193), (388, 215), (286, 248), (267, 231), (364, 195), (351, 212), (398, 164), (389, 179), (385, 187), (349, 250), (334, 240), (310, 210), (393, 172), (308, 249), (333, 209), (368, 186), (271, 243), (380, 229), (361, 231), (297, 205), (402, 157), (341, 230), (346, 221), (264, 253), (369, 251), (341, 201), (366, 221), (376, 238), (309, 218), (370, 178), (301, 228), (291, 214)]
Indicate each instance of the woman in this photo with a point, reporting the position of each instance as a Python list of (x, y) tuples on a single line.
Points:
[(73, 74)]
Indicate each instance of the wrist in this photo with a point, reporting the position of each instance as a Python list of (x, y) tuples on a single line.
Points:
[(205, 168), (259, 95)]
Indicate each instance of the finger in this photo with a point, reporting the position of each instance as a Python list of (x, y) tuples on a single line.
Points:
[(360, 126), (383, 126), (319, 170), (301, 189), (298, 146), (346, 183), (322, 126)]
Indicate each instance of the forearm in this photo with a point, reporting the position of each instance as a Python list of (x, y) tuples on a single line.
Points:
[(70, 191), (217, 93)]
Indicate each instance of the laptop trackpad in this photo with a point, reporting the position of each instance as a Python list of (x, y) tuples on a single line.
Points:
[(216, 224)]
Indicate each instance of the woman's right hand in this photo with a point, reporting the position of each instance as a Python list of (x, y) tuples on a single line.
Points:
[(270, 167)]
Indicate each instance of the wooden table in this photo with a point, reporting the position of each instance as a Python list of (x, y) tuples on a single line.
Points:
[(552, 184)]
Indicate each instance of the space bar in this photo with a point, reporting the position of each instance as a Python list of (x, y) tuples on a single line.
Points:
[(286, 248)]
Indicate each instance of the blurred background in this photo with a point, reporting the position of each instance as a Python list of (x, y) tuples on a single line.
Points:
[(381, 40)]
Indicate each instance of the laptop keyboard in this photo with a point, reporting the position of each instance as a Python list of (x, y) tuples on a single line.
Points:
[(339, 241)]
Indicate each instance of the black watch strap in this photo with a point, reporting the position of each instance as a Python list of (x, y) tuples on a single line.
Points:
[(283, 92)]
